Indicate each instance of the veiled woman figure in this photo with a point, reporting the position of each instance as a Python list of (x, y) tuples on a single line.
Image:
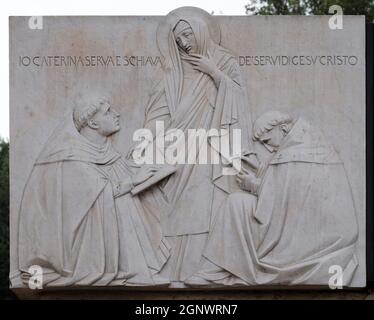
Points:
[(201, 88)]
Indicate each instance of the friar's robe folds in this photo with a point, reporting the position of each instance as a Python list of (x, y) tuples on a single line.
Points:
[(189, 99), (302, 223), (72, 226)]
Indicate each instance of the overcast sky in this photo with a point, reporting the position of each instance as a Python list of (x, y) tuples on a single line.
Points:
[(97, 7)]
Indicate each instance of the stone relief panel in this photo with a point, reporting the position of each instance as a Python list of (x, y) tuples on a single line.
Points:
[(207, 156)]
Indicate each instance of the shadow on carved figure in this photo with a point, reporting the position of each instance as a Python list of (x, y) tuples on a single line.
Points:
[(78, 220), (294, 219)]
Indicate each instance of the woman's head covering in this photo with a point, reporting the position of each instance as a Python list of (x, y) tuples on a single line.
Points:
[(206, 32), (200, 31), (172, 54)]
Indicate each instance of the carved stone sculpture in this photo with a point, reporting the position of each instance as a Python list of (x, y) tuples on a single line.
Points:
[(296, 220), (201, 88), (78, 221), (120, 197)]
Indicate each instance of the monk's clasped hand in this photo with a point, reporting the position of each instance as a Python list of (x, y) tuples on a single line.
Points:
[(247, 181)]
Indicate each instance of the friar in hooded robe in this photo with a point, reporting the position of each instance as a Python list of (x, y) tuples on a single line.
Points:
[(295, 218), (78, 221), (201, 88)]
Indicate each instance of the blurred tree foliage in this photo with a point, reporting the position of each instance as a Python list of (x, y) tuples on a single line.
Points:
[(4, 219), (310, 7)]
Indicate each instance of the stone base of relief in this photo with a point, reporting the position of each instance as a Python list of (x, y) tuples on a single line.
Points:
[(187, 151)]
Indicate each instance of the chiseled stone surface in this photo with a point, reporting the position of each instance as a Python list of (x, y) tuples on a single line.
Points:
[(86, 213)]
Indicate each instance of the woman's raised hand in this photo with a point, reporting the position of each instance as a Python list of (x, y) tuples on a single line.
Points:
[(203, 64)]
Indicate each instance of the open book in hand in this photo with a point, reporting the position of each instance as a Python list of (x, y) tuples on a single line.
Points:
[(164, 171)]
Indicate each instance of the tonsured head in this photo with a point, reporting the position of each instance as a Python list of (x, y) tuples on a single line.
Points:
[(99, 116), (271, 128)]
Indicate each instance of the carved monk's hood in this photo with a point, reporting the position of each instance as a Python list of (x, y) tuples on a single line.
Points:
[(67, 144), (305, 144)]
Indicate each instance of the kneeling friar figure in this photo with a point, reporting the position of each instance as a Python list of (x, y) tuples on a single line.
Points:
[(294, 219)]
